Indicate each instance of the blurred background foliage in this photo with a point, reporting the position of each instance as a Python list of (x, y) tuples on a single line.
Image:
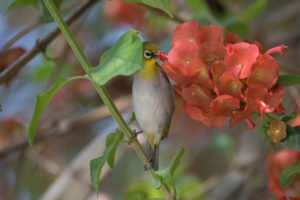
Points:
[(218, 164)]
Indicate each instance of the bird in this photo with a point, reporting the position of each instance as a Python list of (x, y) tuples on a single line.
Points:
[(153, 101)]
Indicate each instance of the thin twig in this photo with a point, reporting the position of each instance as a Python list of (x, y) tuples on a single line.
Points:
[(39, 47), (22, 33), (96, 114), (35, 24), (70, 5)]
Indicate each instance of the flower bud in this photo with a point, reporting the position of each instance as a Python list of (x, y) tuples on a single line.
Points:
[(277, 130)]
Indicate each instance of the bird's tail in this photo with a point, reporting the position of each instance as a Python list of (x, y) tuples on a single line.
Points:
[(153, 152)]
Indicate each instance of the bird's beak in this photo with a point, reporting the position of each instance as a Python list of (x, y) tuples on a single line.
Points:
[(155, 56)]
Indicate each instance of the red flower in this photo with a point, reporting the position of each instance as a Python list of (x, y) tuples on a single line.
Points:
[(276, 163), (219, 79)]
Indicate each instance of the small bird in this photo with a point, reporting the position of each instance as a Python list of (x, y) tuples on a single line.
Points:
[(153, 101)]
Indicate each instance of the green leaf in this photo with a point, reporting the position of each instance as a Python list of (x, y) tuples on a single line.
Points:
[(166, 174), (21, 3), (239, 28), (105, 56), (289, 173), (197, 5), (288, 80), (96, 165), (141, 191), (289, 117), (253, 11), (163, 5), (46, 14), (42, 101), (124, 58), (292, 140), (110, 138), (111, 154)]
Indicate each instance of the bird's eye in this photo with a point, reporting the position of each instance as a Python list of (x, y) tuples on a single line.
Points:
[(147, 54)]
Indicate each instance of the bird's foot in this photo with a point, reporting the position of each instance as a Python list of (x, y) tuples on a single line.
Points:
[(135, 133), (151, 162)]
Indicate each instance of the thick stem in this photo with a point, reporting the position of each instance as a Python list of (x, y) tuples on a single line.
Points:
[(102, 92)]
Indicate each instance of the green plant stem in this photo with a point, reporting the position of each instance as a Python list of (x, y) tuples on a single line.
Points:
[(103, 93)]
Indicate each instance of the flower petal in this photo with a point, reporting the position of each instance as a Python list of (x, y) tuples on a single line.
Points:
[(183, 54), (209, 51), (176, 75), (215, 121), (252, 95), (194, 112), (210, 33), (185, 32), (275, 96), (224, 105), (229, 84), (260, 47), (264, 72), (197, 96), (217, 68), (232, 38), (239, 58), (202, 78)]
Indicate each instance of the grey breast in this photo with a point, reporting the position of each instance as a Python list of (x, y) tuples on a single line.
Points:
[(153, 103)]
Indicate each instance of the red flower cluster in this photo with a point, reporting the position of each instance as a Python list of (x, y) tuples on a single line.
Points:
[(276, 163), (220, 78)]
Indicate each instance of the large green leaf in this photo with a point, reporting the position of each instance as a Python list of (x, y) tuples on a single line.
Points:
[(289, 173), (163, 5), (46, 15), (165, 175), (253, 11), (42, 101), (96, 165), (288, 80), (292, 140), (124, 58)]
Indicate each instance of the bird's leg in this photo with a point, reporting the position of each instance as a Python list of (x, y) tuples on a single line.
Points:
[(151, 161), (135, 133)]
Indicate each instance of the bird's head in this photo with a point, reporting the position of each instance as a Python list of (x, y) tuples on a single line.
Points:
[(150, 53)]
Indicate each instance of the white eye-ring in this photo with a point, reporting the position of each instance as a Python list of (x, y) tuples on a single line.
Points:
[(147, 54)]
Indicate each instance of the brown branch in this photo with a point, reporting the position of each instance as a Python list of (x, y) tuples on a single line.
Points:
[(41, 45), (35, 24)]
